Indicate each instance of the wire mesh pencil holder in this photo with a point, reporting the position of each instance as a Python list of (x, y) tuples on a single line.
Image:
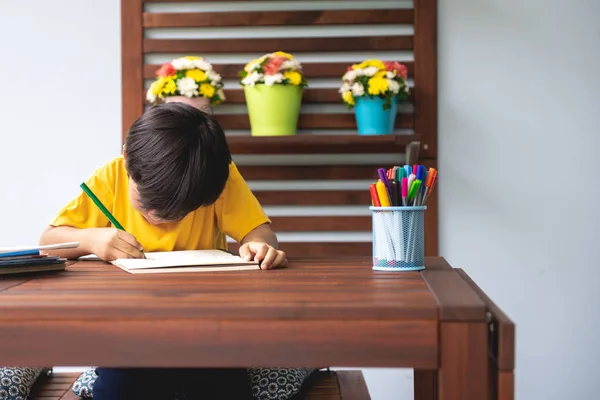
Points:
[(398, 238)]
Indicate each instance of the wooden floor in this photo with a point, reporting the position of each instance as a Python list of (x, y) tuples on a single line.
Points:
[(324, 385)]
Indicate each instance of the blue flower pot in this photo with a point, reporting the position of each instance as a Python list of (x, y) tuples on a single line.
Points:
[(372, 119)]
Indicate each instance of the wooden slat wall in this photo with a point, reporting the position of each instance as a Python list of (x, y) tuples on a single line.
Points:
[(300, 193)]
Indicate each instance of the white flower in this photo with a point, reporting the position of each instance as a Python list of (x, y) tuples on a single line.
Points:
[(290, 64), (352, 74), (346, 87), (151, 97), (406, 89), (358, 89), (252, 78), (272, 79), (370, 71), (187, 87), (182, 63), (213, 77), (221, 94), (202, 64), (390, 75), (393, 85)]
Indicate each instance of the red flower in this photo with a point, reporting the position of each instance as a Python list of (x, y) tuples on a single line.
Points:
[(396, 66), (166, 69), (272, 66)]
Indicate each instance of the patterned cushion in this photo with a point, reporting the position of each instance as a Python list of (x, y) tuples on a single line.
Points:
[(266, 383), (83, 386), (277, 383), (16, 382)]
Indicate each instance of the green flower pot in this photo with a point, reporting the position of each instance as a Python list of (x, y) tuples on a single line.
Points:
[(273, 110)]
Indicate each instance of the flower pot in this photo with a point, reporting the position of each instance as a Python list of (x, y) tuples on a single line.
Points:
[(372, 119), (201, 103), (273, 110)]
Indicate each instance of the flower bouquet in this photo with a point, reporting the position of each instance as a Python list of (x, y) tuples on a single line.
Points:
[(188, 79), (273, 86), (374, 88)]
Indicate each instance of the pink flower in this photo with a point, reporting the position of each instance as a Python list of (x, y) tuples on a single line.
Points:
[(272, 66), (396, 66), (166, 69)]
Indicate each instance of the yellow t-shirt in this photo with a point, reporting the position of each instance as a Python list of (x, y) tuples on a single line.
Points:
[(235, 213)]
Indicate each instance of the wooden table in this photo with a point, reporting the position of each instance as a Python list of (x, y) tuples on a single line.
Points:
[(315, 313)]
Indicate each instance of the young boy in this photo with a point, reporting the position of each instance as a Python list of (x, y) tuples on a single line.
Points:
[(174, 188)]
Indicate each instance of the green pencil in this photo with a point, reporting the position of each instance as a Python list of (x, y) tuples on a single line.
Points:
[(104, 210)]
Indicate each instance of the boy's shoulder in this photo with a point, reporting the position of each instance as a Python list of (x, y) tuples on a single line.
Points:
[(111, 170)]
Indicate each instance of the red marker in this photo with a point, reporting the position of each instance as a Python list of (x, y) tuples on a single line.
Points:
[(374, 195)]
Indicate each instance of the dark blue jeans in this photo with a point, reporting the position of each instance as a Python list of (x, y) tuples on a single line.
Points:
[(165, 384)]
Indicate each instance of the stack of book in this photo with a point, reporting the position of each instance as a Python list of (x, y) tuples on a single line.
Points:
[(21, 260)]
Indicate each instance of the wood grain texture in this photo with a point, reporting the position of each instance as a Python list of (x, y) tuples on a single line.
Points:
[(321, 249), (309, 289), (425, 385), (308, 172), (132, 61), (353, 386), (313, 197), (219, 343), (307, 143), (503, 333), (266, 45), (277, 18), (463, 372), (425, 53), (7, 282), (321, 223), (310, 70), (431, 216), (456, 300), (506, 386)]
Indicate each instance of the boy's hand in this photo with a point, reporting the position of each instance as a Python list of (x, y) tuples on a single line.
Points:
[(260, 251), (111, 243)]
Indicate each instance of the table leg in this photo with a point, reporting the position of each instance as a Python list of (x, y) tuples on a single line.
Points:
[(425, 384), (463, 373)]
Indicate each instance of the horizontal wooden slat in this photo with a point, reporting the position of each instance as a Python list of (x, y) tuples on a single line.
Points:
[(308, 172), (311, 121), (310, 70), (323, 249), (277, 18), (322, 223), (320, 144), (314, 197), (265, 45)]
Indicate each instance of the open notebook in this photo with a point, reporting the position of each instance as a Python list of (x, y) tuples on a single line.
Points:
[(185, 261)]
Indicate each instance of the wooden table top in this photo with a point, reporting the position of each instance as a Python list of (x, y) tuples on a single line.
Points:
[(320, 305)]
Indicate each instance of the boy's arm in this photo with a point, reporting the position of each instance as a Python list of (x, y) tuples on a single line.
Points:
[(107, 243), (261, 244)]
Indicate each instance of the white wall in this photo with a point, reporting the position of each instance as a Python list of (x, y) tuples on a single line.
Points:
[(516, 80), (519, 139), (60, 106)]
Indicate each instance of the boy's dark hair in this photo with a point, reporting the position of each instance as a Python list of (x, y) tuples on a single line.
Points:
[(179, 159)]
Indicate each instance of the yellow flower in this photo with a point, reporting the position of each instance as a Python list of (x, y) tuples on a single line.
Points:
[(283, 54), (207, 90), (196, 74), (170, 86), (193, 58), (369, 63), (252, 64), (347, 96), (377, 86), (294, 77), (380, 74), (157, 86)]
